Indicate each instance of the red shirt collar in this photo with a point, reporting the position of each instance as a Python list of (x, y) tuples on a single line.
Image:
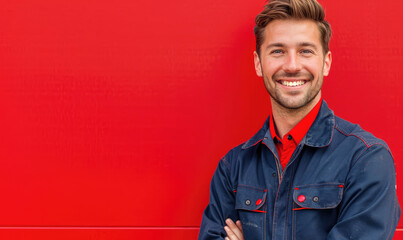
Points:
[(300, 130)]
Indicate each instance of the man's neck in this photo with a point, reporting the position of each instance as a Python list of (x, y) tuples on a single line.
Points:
[(286, 119)]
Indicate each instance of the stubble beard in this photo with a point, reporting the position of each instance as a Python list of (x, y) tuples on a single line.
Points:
[(289, 103)]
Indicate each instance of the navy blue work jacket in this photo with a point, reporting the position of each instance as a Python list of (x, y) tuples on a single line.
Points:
[(340, 183)]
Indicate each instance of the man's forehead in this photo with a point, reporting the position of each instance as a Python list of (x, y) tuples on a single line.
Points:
[(291, 31)]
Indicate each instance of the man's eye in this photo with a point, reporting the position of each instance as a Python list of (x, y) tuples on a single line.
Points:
[(306, 51), (277, 51)]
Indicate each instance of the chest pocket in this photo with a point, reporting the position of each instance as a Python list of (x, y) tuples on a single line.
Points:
[(250, 198), (321, 196), (315, 210)]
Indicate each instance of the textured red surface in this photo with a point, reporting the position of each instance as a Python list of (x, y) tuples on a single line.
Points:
[(98, 233), (116, 114)]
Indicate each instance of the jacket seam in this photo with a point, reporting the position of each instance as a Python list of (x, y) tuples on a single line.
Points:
[(365, 142), (226, 164), (329, 184), (366, 150), (228, 167), (354, 161)]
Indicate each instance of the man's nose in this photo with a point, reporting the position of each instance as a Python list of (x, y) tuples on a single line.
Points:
[(291, 63)]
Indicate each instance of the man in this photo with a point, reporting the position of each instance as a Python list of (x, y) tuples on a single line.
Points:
[(307, 174)]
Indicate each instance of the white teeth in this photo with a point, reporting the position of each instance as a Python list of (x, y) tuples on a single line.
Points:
[(292, 84)]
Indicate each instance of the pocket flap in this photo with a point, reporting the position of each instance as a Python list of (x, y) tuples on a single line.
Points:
[(250, 198), (320, 196)]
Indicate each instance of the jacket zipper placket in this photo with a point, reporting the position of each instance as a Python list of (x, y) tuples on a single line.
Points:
[(280, 177), (298, 150)]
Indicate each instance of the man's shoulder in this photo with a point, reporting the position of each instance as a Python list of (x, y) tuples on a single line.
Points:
[(235, 151), (243, 151), (352, 130)]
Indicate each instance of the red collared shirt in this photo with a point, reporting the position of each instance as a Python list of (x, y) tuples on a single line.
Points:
[(287, 145)]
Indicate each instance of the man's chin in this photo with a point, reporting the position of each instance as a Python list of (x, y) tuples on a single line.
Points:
[(293, 104), (290, 103)]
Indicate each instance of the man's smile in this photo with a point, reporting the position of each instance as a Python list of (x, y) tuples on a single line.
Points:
[(292, 83)]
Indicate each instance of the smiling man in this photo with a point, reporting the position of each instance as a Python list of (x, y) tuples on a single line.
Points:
[(307, 174)]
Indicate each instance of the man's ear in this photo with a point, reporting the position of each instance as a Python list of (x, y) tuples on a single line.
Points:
[(327, 63), (258, 67)]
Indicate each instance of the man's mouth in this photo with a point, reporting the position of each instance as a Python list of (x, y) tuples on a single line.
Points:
[(292, 83)]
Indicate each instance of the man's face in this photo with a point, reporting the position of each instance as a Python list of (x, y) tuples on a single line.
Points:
[(292, 63)]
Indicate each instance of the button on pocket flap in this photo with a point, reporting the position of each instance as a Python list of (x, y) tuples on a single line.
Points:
[(250, 198), (320, 196)]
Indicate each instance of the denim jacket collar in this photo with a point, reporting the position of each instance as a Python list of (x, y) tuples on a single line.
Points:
[(319, 135)]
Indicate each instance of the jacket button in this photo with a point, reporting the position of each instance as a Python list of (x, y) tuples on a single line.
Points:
[(301, 198), (274, 175), (247, 202), (259, 201), (315, 199)]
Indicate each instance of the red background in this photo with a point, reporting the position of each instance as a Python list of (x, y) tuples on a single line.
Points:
[(114, 114)]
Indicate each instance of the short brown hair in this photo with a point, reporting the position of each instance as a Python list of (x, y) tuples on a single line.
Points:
[(292, 9)]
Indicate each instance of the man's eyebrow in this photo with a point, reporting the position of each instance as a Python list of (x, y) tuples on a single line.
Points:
[(275, 45), (308, 44), (301, 44)]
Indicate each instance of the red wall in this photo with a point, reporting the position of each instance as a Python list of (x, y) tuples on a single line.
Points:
[(114, 114)]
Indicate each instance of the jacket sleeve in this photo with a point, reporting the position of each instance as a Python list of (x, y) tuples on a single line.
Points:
[(221, 205), (369, 209)]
